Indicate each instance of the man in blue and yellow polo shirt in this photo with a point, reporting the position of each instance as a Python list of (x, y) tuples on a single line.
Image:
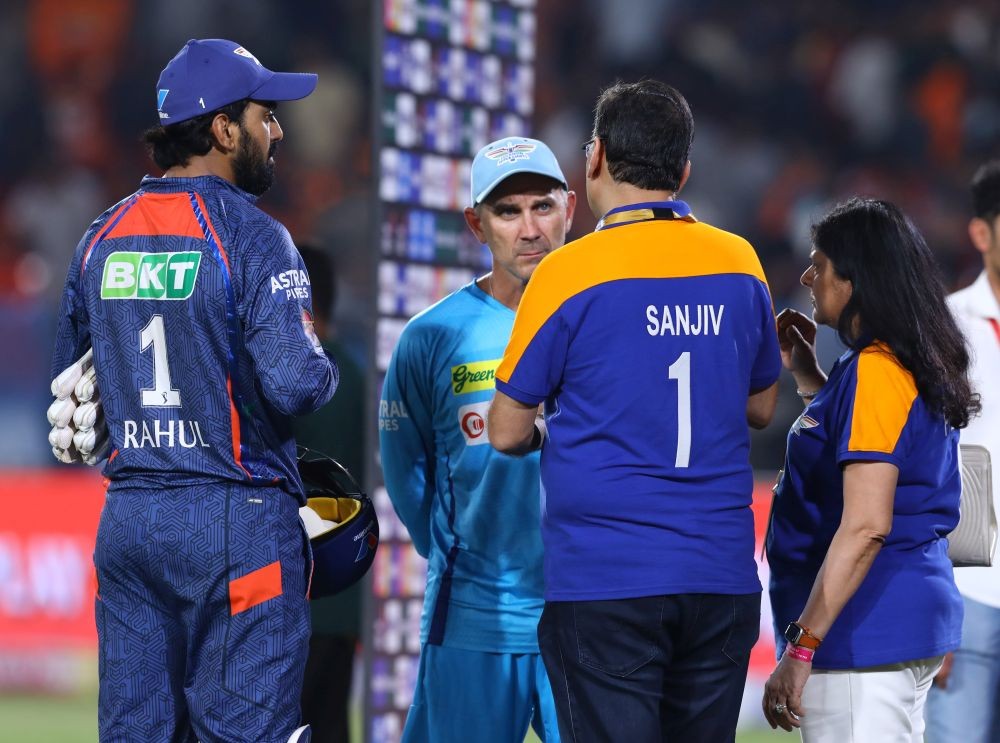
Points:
[(652, 344)]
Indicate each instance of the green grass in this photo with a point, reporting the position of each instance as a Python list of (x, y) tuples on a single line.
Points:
[(73, 719), (43, 719), (766, 736)]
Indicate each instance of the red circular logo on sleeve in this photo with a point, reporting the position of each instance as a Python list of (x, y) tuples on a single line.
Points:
[(473, 425)]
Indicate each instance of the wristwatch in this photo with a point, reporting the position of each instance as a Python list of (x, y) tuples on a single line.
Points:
[(796, 634)]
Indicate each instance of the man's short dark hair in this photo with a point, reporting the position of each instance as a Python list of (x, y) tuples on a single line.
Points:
[(986, 191), (176, 144), (647, 130)]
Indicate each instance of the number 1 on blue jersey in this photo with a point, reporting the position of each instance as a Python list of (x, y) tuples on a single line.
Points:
[(681, 371), (162, 395)]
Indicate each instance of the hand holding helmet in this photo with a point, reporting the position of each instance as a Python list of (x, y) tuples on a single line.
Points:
[(340, 521)]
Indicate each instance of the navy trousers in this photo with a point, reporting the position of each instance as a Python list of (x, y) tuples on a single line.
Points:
[(656, 668), (202, 615)]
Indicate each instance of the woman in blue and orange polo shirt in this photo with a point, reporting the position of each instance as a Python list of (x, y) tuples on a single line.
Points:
[(862, 590)]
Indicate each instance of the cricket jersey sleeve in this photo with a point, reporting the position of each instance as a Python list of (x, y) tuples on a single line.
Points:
[(406, 436), (73, 324), (535, 357), (875, 422), (295, 373)]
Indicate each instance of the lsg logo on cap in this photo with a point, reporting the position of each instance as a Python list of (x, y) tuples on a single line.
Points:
[(244, 53), (511, 153)]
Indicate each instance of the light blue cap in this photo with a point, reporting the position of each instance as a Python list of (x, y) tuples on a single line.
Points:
[(499, 160)]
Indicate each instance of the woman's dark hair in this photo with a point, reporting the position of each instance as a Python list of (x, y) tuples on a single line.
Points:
[(177, 143), (898, 298), (647, 130)]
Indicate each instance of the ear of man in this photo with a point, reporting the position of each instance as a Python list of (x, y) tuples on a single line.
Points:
[(226, 133), (595, 164), (475, 222), (981, 234)]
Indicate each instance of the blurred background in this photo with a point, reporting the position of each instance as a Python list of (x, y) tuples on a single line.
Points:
[(797, 105)]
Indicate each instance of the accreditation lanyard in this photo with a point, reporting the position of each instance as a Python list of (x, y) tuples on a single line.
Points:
[(645, 212)]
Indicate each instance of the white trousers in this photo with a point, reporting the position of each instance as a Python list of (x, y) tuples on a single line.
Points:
[(880, 703)]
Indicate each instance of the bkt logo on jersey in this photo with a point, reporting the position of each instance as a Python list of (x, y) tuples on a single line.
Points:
[(472, 421), (150, 275)]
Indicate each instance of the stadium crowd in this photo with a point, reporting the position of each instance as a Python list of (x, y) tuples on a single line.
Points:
[(799, 104)]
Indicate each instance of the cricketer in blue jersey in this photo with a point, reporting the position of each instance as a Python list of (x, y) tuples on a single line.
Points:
[(652, 344), (471, 511), (197, 305)]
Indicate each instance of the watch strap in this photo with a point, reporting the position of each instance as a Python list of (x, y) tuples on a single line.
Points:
[(806, 639)]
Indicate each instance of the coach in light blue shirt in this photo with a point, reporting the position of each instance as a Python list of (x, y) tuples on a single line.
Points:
[(471, 511)]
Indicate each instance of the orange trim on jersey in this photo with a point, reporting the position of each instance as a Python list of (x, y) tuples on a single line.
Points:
[(234, 422), (660, 249), (883, 399), (234, 414), (159, 214), (100, 234), (211, 228), (255, 588)]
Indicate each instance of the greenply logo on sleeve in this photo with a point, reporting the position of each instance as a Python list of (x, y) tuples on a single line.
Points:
[(474, 377), (150, 275)]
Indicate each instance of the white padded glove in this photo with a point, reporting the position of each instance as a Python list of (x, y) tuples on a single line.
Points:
[(87, 414), (60, 413), (63, 385), (314, 523), (79, 433), (86, 388)]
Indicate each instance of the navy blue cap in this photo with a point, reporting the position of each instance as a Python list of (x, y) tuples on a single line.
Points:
[(208, 74)]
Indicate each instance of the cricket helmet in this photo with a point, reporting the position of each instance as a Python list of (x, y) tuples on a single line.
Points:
[(343, 553)]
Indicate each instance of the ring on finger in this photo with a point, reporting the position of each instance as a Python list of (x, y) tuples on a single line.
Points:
[(780, 709)]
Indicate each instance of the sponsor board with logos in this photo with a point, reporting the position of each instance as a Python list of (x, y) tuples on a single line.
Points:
[(452, 78)]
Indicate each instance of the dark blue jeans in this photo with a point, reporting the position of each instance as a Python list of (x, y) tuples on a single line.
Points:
[(657, 668)]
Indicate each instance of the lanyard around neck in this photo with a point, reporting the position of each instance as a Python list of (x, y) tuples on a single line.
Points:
[(645, 212)]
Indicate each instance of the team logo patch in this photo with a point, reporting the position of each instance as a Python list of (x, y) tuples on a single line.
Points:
[(368, 545), (161, 96), (150, 275), (244, 53), (474, 377), (510, 153), (472, 422), (804, 421)]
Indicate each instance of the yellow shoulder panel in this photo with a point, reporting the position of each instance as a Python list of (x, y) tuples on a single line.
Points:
[(883, 398)]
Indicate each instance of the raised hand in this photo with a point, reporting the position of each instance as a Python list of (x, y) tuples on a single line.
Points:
[(797, 342)]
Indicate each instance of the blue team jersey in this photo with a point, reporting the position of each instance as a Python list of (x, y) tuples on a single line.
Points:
[(471, 511), (645, 339), (908, 606), (194, 301)]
